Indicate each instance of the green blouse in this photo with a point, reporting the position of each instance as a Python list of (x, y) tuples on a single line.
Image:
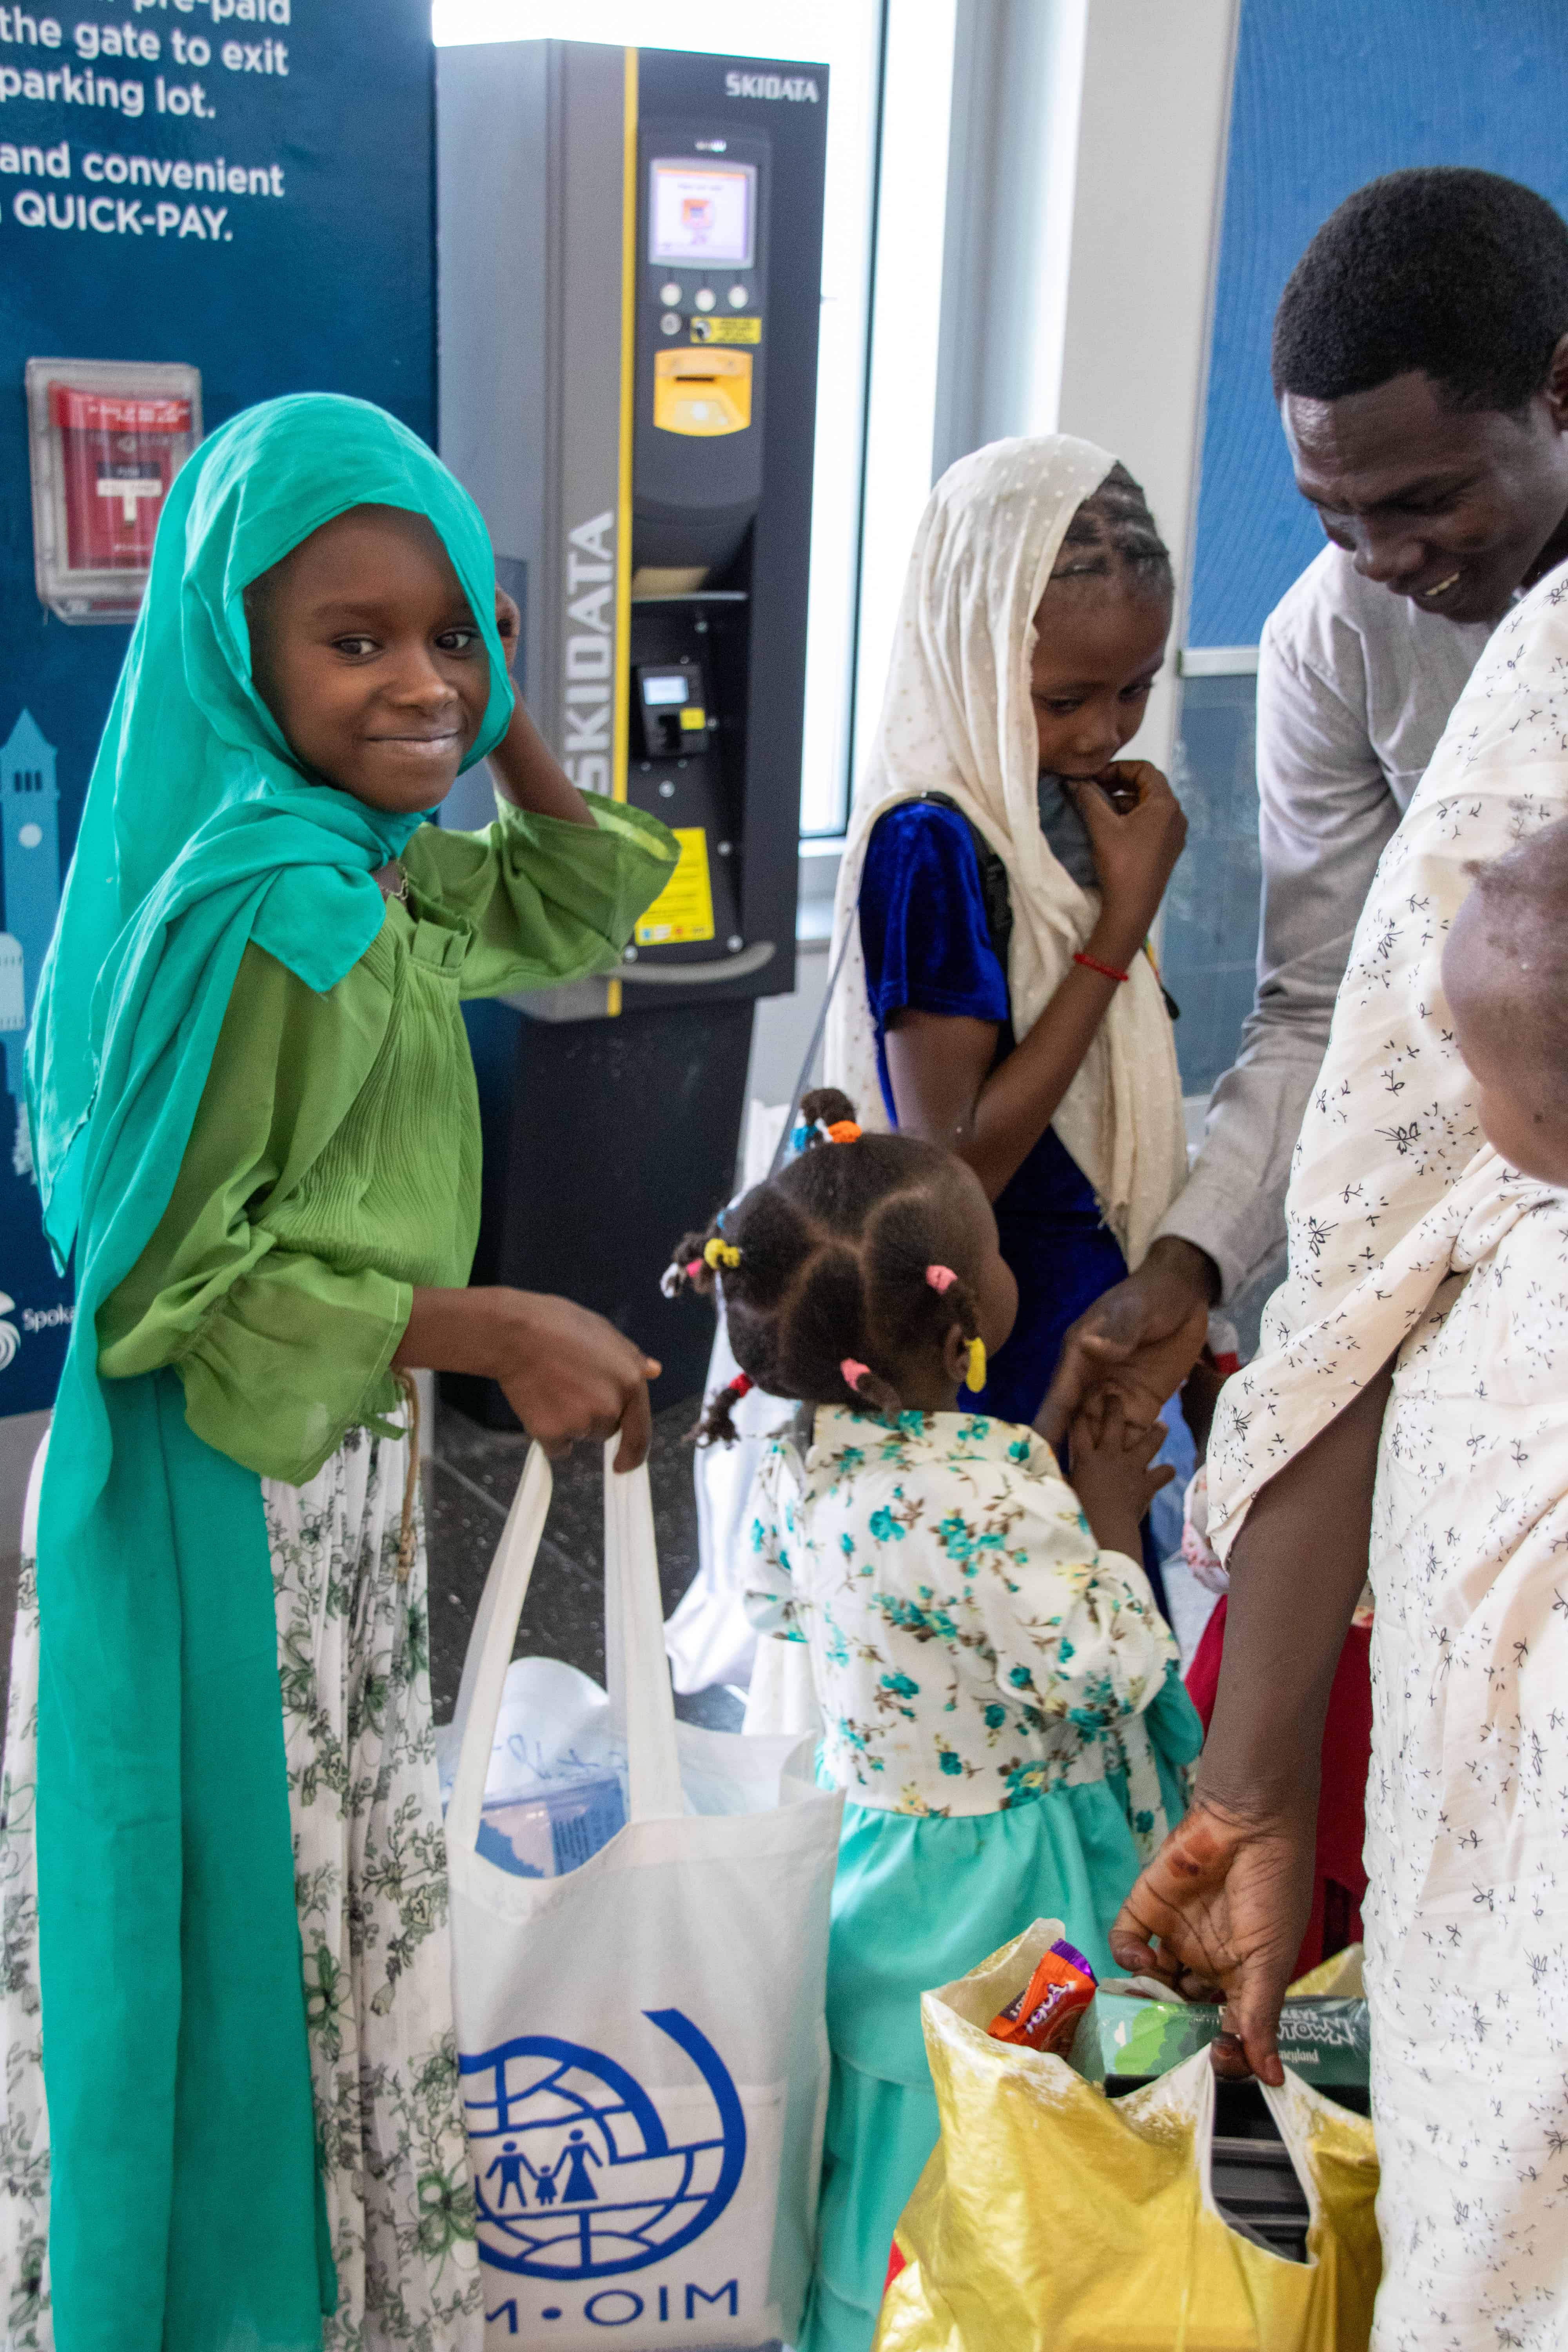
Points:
[(335, 1161)]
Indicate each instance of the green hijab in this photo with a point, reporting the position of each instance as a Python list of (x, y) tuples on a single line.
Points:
[(185, 2211)]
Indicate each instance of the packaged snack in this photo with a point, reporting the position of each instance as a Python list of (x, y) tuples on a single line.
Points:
[(1323, 2037), (1045, 2013)]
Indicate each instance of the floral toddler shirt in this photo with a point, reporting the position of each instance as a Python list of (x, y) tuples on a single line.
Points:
[(971, 1645)]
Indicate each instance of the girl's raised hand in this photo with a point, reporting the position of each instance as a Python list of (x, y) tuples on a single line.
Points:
[(1137, 832), (1113, 1473)]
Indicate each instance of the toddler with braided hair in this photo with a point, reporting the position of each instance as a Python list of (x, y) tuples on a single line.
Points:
[(999, 1694)]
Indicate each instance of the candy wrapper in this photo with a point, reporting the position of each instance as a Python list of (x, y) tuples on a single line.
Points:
[(1045, 2015)]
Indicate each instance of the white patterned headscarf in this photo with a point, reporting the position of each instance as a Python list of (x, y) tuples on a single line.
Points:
[(958, 719), (1392, 1161)]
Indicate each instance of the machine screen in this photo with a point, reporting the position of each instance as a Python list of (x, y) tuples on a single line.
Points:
[(665, 690), (702, 213)]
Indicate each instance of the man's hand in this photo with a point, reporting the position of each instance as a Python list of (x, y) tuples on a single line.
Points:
[(1228, 1898), (1144, 1335)]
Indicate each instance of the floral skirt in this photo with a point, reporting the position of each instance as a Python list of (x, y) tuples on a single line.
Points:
[(371, 1887)]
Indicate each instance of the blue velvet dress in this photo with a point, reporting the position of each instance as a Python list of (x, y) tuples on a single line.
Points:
[(926, 942)]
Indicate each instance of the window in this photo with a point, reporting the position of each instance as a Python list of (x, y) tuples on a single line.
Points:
[(847, 36)]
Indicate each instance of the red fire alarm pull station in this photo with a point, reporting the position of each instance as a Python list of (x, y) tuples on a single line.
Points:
[(106, 442)]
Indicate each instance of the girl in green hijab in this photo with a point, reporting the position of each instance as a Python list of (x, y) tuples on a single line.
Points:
[(256, 1126)]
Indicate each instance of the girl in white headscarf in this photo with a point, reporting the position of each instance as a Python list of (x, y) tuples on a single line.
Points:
[(1003, 870)]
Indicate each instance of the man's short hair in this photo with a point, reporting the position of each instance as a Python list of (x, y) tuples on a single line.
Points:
[(1461, 274)]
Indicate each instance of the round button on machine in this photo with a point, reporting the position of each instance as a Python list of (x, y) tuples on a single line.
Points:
[(739, 297), (705, 298), (669, 295), (670, 322)]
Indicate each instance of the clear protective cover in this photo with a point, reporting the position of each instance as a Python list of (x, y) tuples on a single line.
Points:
[(105, 440)]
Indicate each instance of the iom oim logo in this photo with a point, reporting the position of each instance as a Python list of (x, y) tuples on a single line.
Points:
[(575, 2175)]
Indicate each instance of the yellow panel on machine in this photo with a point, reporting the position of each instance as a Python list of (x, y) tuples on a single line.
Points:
[(683, 910), (702, 392)]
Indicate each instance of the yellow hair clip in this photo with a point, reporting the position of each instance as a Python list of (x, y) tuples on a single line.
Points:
[(721, 1253), (974, 1378)]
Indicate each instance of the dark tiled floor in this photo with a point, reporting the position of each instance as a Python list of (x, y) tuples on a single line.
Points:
[(467, 1491)]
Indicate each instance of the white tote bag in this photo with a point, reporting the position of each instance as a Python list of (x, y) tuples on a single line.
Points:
[(641, 2041)]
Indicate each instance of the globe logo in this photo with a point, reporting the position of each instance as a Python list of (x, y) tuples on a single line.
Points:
[(575, 2173)]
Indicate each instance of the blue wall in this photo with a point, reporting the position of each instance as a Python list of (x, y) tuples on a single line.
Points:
[(324, 283), (1329, 93)]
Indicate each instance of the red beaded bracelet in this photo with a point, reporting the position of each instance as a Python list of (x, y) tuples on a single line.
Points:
[(1105, 970)]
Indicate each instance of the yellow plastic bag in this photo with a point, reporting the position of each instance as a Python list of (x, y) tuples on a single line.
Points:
[(1051, 2219)]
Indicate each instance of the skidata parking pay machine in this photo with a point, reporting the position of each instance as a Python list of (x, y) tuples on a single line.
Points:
[(630, 265)]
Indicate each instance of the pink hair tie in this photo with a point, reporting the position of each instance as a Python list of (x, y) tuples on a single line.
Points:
[(741, 1385), (853, 1373), (694, 1268), (940, 1277)]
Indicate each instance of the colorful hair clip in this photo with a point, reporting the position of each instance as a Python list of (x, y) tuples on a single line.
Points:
[(940, 1277), (852, 1373), (843, 1130), (974, 1378), (718, 1254), (741, 1385)]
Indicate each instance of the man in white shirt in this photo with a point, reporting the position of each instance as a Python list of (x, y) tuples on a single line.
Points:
[(1420, 361)]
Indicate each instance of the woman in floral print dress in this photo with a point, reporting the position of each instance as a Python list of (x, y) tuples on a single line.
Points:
[(1407, 1418), (998, 1691)]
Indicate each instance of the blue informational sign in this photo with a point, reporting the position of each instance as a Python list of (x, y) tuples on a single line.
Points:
[(245, 187), (1328, 94)]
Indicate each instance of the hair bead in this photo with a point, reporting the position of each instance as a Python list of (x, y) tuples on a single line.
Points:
[(822, 1131), (854, 1374), (940, 1277), (974, 1378), (721, 1253)]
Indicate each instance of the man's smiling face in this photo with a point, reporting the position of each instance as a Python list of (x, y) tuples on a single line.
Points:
[(1454, 507)]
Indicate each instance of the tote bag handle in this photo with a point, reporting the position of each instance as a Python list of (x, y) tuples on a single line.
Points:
[(636, 1666), (642, 1702)]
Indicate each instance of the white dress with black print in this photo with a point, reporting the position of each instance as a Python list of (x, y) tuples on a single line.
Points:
[(1410, 1238), (370, 1890)]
